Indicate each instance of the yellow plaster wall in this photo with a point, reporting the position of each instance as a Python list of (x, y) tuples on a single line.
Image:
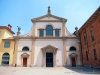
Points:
[(8, 50), (2, 31), (6, 34)]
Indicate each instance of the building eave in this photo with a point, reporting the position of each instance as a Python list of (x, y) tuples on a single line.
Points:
[(91, 19), (31, 37), (7, 29)]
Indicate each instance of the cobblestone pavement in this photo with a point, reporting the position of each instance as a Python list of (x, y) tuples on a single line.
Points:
[(48, 71)]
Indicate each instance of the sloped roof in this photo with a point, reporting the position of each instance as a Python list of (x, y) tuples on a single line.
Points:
[(7, 29), (91, 19)]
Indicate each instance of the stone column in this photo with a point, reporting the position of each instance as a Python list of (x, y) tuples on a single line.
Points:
[(15, 52), (64, 51), (32, 53)]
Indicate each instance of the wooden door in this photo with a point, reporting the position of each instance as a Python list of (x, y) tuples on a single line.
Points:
[(73, 62), (24, 62)]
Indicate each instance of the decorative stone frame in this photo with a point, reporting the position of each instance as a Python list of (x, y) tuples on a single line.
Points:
[(73, 55), (45, 30), (22, 56), (48, 49)]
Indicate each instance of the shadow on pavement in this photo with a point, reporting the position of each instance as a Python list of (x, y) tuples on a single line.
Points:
[(85, 70)]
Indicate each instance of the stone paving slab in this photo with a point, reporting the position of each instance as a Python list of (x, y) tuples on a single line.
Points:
[(48, 71)]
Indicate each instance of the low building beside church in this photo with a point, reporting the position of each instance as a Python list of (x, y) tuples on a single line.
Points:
[(48, 44), (6, 45)]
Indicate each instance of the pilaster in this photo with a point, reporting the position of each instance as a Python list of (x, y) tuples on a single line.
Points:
[(32, 53), (15, 51), (55, 58), (63, 28), (34, 28), (64, 51)]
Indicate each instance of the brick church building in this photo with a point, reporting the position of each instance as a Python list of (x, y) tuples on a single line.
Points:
[(90, 40)]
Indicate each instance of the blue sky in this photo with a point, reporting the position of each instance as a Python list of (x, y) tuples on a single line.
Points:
[(20, 12)]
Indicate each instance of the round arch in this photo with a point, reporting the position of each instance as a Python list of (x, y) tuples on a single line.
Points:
[(49, 30), (72, 48), (25, 48), (49, 24), (5, 59)]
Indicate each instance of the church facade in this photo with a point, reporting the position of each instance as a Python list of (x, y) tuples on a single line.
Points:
[(48, 44)]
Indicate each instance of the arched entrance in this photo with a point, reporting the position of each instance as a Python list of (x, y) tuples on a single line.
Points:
[(24, 61), (73, 58), (5, 59), (49, 56), (24, 57), (49, 59), (73, 62)]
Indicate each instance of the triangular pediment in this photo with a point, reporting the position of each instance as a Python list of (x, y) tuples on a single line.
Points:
[(49, 47), (48, 17)]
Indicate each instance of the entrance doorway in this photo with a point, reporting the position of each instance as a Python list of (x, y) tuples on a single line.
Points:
[(49, 59), (73, 62), (24, 62)]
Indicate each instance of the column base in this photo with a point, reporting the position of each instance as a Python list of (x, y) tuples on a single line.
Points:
[(14, 65), (32, 65)]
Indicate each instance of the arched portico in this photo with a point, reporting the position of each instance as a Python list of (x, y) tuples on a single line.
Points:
[(24, 59), (49, 56), (73, 58)]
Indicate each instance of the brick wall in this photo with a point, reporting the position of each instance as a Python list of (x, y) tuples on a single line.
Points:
[(93, 24)]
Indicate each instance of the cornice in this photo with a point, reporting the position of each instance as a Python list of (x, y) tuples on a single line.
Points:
[(48, 21), (8, 39), (30, 37), (49, 15)]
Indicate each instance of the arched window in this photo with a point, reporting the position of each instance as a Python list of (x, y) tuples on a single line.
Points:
[(49, 30), (92, 35), (25, 49), (72, 49), (5, 59)]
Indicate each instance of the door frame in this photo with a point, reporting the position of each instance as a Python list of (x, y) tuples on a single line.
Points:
[(48, 49), (73, 55), (24, 55)]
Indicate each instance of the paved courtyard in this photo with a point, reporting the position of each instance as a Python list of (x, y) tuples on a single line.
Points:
[(48, 71)]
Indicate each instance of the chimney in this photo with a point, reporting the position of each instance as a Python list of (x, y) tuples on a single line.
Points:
[(9, 26)]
